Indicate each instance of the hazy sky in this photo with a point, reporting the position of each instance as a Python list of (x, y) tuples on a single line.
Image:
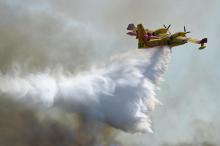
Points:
[(41, 34)]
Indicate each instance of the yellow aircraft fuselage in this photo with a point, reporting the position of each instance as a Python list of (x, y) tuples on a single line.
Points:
[(166, 41)]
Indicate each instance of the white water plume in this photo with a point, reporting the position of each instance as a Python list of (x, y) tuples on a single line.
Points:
[(120, 92)]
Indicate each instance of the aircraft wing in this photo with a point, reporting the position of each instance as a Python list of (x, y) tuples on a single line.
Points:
[(201, 42), (162, 32), (162, 35), (191, 40)]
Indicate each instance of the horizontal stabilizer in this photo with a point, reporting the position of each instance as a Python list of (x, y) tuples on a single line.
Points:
[(131, 26)]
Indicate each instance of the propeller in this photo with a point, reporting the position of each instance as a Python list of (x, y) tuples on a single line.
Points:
[(166, 26), (185, 30)]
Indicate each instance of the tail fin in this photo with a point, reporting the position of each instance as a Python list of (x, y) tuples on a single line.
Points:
[(140, 33)]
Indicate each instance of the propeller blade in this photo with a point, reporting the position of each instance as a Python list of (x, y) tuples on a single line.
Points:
[(168, 27), (185, 30)]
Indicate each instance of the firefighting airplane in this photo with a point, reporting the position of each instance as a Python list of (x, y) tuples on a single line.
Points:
[(161, 37)]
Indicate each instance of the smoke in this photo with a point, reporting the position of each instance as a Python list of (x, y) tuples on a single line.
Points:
[(34, 36), (37, 38), (23, 126), (120, 92)]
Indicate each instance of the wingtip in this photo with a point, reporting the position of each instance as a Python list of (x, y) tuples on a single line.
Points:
[(202, 47)]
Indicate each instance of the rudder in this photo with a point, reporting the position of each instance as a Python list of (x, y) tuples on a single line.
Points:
[(140, 34)]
